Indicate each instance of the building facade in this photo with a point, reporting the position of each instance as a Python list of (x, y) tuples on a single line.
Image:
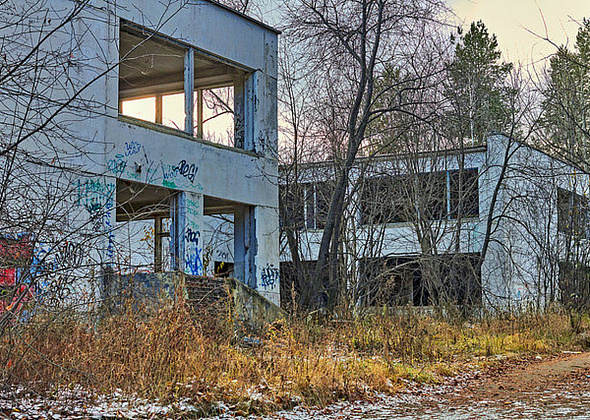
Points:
[(501, 225), (138, 121)]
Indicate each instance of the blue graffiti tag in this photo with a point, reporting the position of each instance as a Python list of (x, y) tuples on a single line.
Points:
[(192, 235), (117, 166), (187, 170), (269, 276), (132, 148), (194, 263)]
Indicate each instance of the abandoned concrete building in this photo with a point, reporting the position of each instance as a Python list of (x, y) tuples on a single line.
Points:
[(145, 142), (497, 225), (165, 114)]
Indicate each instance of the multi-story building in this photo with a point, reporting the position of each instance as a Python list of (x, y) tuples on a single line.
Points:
[(500, 225), (127, 117)]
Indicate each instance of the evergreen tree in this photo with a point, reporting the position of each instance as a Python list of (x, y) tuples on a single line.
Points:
[(566, 107), (477, 92)]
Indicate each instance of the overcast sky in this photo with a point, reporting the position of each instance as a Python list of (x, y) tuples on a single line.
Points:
[(510, 20)]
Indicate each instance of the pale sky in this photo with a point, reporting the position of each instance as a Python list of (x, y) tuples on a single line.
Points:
[(510, 20)]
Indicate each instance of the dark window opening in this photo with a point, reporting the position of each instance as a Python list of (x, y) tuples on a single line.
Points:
[(224, 269), (398, 281), (304, 205), (291, 210), (393, 199), (432, 195), (464, 193), (572, 213), (386, 200), (317, 202)]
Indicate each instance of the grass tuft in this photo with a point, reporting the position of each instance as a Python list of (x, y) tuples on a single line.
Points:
[(167, 355)]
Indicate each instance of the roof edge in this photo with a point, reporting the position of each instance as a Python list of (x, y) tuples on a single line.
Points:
[(243, 15)]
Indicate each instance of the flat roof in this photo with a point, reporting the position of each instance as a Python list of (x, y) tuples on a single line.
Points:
[(480, 148), (245, 16)]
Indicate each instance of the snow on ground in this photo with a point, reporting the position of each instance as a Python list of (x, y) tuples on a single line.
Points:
[(79, 404)]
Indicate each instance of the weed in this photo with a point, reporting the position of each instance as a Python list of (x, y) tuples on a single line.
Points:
[(168, 355)]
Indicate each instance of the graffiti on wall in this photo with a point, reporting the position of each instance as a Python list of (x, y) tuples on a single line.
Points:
[(97, 196), (132, 148), (16, 255), (118, 164), (193, 251), (132, 161), (269, 276), (183, 169), (193, 247)]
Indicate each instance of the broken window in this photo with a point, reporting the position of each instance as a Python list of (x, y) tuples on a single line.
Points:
[(396, 281), (386, 200), (464, 193), (143, 228), (218, 115), (291, 206), (317, 202), (572, 213), (431, 195), (157, 74), (305, 205)]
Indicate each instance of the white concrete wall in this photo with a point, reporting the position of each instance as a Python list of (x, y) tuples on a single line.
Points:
[(521, 264), (526, 240), (86, 137)]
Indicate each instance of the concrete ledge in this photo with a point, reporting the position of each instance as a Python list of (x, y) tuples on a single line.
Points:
[(250, 312)]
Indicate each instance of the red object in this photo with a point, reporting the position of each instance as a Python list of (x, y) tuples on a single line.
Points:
[(7, 276)]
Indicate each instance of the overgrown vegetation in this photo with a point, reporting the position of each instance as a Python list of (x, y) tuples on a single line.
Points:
[(167, 355)]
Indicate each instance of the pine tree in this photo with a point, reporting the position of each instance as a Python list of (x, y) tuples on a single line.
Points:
[(566, 107), (479, 98)]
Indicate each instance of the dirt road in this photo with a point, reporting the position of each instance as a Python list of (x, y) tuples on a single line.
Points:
[(556, 388)]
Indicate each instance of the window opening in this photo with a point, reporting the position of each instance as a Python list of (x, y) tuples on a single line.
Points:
[(317, 202), (464, 193), (291, 210), (572, 213), (386, 200), (157, 74), (431, 195), (435, 195), (224, 269), (218, 115)]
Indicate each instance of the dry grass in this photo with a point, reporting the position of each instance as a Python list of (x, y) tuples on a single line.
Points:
[(168, 356)]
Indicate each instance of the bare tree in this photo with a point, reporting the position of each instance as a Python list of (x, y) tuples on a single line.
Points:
[(348, 44)]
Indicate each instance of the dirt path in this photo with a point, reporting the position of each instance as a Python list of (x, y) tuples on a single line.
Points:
[(565, 372), (554, 388)]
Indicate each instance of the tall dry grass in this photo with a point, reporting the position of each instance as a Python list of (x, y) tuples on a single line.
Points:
[(168, 355)]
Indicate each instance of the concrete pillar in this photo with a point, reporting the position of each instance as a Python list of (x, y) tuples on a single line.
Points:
[(239, 111), (258, 94), (256, 241), (245, 245), (186, 244), (189, 91), (95, 211), (250, 109)]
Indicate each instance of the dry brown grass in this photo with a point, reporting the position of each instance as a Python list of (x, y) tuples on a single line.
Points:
[(168, 356)]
